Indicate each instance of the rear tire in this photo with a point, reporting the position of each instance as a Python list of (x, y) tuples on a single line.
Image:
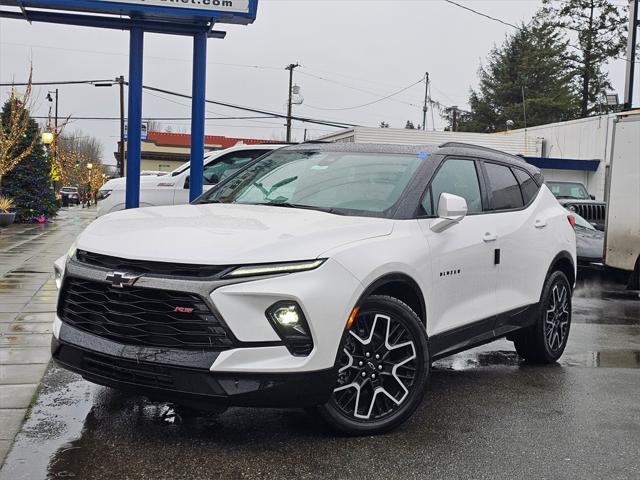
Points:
[(383, 369), (545, 341)]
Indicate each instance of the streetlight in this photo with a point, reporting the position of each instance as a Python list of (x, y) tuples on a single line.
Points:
[(47, 138), (120, 81), (90, 190)]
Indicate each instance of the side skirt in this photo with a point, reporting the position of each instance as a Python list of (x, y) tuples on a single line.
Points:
[(482, 332)]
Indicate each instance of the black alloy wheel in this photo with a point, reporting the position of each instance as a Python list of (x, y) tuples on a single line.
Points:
[(383, 369), (546, 340)]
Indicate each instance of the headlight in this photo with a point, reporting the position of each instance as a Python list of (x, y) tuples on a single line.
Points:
[(275, 268), (58, 276), (72, 250), (102, 194), (572, 208)]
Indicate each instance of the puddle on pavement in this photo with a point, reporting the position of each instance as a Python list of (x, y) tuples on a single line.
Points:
[(603, 359)]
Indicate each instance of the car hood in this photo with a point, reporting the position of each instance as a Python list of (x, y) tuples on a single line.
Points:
[(589, 243), (120, 183), (576, 201), (225, 234)]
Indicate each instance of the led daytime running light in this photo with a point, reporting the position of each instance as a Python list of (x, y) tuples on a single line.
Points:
[(256, 270)]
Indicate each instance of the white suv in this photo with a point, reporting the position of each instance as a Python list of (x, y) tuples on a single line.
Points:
[(173, 188), (321, 275)]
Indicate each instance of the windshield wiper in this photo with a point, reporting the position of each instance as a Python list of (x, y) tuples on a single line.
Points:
[(305, 207)]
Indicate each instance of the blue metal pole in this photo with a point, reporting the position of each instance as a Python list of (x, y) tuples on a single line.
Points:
[(198, 114), (134, 127)]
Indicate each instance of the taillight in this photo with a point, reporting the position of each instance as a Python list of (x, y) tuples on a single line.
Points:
[(572, 220)]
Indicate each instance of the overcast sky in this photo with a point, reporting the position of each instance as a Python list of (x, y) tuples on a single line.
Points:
[(360, 49)]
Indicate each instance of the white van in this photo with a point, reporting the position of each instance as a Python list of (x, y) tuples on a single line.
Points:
[(173, 188)]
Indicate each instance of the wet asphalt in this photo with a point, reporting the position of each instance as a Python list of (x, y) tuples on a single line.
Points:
[(487, 415)]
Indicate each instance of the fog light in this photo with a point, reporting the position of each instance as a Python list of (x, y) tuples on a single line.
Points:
[(289, 322), (288, 316)]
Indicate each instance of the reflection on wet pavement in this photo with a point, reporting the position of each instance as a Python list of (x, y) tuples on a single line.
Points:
[(610, 359)]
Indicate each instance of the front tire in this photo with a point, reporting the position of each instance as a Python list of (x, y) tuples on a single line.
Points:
[(383, 369), (546, 340)]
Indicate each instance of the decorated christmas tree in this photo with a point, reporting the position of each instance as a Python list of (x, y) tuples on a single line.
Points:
[(29, 182)]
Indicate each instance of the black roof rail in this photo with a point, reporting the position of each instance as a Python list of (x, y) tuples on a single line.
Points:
[(479, 147)]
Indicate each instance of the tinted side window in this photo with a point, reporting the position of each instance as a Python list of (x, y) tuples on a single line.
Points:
[(458, 177), (505, 191), (527, 185), (229, 164)]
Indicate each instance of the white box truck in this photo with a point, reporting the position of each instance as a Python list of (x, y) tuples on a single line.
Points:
[(622, 241)]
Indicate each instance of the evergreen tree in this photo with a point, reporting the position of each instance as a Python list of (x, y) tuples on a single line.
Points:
[(599, 27), (530, 64), (29, 184)]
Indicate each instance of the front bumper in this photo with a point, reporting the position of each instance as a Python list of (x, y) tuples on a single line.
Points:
[(184, 377)]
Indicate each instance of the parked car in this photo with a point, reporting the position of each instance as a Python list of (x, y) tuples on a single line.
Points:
[(173, 188), (322, 275), (69, 195), (575, 197), (589, 241)]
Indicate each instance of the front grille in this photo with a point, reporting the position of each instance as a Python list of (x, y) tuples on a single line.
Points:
[(593, 212), (139, 267), (142, 316)]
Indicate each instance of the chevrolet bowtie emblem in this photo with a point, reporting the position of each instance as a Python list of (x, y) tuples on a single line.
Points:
[(121, 280)]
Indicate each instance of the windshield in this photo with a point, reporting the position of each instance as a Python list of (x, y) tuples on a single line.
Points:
[(338, 182), (581, 222), (569, 190)]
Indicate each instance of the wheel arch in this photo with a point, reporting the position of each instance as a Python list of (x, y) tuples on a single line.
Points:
[(563, 262), (401, 286)]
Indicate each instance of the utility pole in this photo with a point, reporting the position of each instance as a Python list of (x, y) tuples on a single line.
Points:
[(634, 23), (120, 80), (291, 68), (121, 83), (454, 119), (55, 122), (425, 108), (54, 147)]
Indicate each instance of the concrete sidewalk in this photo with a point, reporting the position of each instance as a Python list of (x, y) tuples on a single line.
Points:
[(27, 306)]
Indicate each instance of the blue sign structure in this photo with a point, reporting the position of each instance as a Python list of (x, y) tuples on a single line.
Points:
[(195, 18)]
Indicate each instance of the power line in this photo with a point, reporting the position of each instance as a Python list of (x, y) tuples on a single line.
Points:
[(372, 102), (153, 57), (254, 110), (67, 82), (351, 87), (483, 14), (328, 123), (159, 119)]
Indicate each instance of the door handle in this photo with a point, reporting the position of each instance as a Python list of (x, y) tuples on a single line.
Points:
[(489, 237), (540, 223)]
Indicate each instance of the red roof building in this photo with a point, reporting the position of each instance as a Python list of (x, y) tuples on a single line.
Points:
[(166, 151)]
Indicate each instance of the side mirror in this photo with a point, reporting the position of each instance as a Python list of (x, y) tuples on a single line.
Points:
[(593, 197), (451, 210), (186, 182)]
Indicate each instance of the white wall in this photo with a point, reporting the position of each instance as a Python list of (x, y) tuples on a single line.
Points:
[(529, 146), (584, 139)]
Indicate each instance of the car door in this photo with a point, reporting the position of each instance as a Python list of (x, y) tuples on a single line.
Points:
[(217, 170), (463, 271), (522, 239)]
